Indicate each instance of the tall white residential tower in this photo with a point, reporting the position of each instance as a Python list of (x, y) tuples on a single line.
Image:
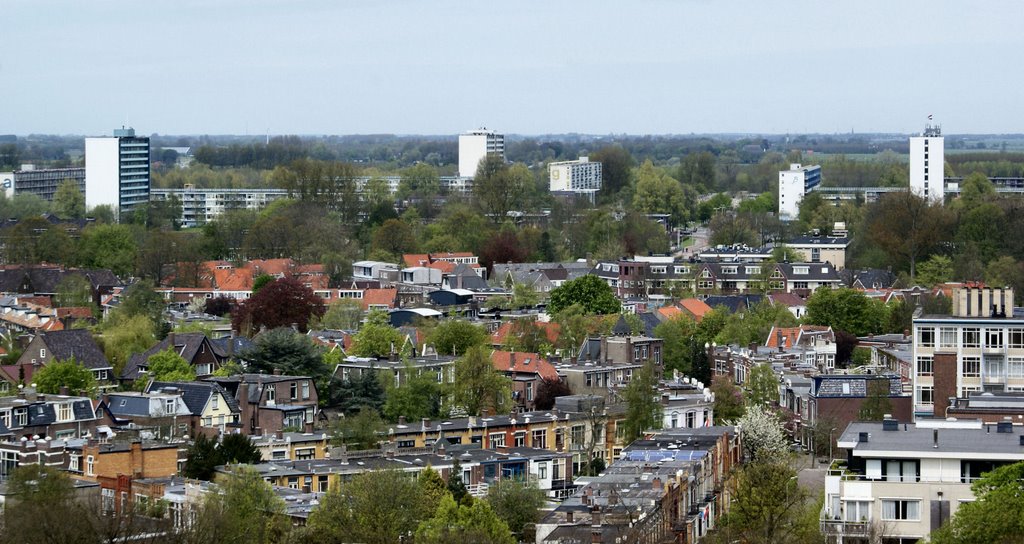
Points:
[(793, 185), (117, 171), (928, 163), (475, 145)]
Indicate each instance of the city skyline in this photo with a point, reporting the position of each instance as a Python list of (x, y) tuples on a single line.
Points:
[(530, 68)]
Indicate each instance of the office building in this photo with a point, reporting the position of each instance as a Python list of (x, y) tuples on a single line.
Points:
[(579, 176), (928, 164), (42, 182), (793, 185), (475, 145), (117, 171), (979, 348)]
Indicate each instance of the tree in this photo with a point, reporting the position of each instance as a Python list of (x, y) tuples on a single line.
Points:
[(344, 314), (284, 350), (433, 487), (419, 397), (616, 168), (376, 338), (524, 296), (729, 404), (282, 303), (141, 300), (499, 188), (937, 269), (123, 336), (770, 507), (421, 184), (455, 336), (42, 508), (68, 201), (379, 507), (360, 390), (996, 514), (473, 522), (219, 306), (518, 503), (845, 344), (548, 390), (876, 404), (360, 431), (201, 459), (657, 192), (74, 291), (755, 324), (69, 373), (677, 334), (847, 310), (109, 246), (456, 486), (477, 385), (906, 226), (698, 169), (168, 366), (237, 448), (261, 281), (395, 237), (643, 411), (246, 510), (763, 386), (763, 435), (589, 291)]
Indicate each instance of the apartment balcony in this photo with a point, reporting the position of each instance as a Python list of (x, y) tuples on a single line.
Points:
[(838, 527)]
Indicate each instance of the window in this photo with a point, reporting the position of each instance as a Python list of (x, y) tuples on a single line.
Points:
[(21, 417), (542, 471), (90, 465), (925, 394), (972, 367), (752, 270), (529, 391), (801, 270), (924, 366), (74, 463), (497, 440), (278, 455), (519, 439), (994, 367), (42, 354), (800, 285), (215, 401), (1016, 339), (926, 337), (578, 434), (293, 482), (1015, 367), (947, 337), (972, 338), (305, 389), (705, 284), (294, 390), (271, 393), (108, 500), (994, 338), (691, 420), (857, 511), (63, 412), (729, 269), (901, 510), (539, 439), (304, 453)]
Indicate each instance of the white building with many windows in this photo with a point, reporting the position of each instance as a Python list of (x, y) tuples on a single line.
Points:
[(793, 185), (579, 176), (475, 145), (117, 171), (981, 347), (928, 164)]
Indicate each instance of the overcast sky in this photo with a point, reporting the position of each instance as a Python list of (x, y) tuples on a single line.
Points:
[(526, 67)]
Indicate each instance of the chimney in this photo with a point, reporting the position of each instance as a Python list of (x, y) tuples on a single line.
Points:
[(279, 434), (277, 371), (782, 341), (569, 514), (401, 420), (664, 399), (656, 484), (512, 361), (595, 526), (426, 423), (65, 390)]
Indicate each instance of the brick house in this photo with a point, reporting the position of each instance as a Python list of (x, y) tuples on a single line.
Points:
[(272, 403)]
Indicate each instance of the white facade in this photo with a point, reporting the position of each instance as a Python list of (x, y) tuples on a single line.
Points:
[(576, 176), (793, 184), (474, 146), (928, 164), (102, 172)]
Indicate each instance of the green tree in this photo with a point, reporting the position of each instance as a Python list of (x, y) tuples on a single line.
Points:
[(433, 488), (376, 338), (237, 448), (456, 486), (123, 336), (763, 385), (755, 324), (202, 458), (1005, 271), (518, 503), (246, 511), (109, 246), (524, 296), (417, 398), (261, 281), (770, 507), (643, 411), (676, 334), (378, 507), (291, 353), (657, 192), (847, 310), (360, 431), (937, 269), (729, 403), (42, 508), (877, 404), (74, 291), (499, 188), (589, 291), (455, 336), (344, 314), (361, 389), (616, 169), (473, 522), (69, 373), (68, 201), (698, 169), (906, 226), (395, 237), (996, 514), (168, 366), (477, 385)]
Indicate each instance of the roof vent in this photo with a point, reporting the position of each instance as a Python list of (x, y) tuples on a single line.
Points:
[(1004, 427), (890, 424), (863, 437)]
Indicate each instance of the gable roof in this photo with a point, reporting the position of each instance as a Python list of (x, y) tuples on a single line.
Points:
[(695, 307), (195, 395), (378, 297), (523, 363), (551, 331), (787, 299), (77, 343), (186, 344)]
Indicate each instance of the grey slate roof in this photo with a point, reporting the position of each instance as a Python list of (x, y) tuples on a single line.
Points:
[(77, 343), (918, 439), (128, 405), (196, 394), (185, 344), (735, 303), (832, 386)]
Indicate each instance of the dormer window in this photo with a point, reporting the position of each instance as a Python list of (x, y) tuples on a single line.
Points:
[(801, 270)]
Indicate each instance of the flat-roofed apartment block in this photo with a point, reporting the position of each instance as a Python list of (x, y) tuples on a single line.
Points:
[(979, 348)]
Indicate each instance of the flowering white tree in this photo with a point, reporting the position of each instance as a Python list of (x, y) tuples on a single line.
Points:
[(762, 434)]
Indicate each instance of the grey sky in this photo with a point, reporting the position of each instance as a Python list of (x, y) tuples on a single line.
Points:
[(528, 67)]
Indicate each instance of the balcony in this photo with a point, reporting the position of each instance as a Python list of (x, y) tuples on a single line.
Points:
[(834, 527)]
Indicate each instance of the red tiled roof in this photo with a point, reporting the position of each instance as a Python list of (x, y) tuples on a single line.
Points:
[(788, 335), (551, 330), (77, 312), (526, 363), (669, 312), (379, 296), (695, 307)]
